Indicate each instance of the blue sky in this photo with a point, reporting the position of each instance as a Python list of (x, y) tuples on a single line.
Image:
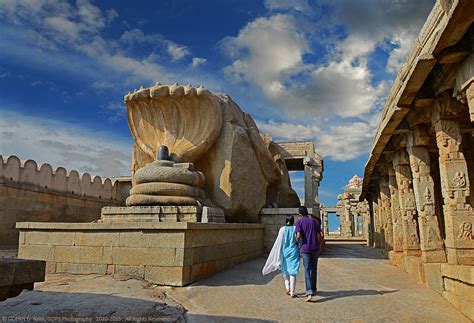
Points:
[(305, 70)]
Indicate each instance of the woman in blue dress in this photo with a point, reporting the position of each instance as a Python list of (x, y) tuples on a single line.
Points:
[(285, 255)]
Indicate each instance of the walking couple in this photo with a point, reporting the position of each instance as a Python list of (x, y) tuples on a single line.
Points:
[(303, 238)]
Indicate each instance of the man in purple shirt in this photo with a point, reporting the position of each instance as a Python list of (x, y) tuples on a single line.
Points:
[(308, 234)]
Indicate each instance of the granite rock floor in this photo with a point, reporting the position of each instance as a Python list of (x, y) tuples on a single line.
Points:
[(356, 284)]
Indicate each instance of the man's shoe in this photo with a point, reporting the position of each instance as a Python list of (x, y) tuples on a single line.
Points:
[(309, 298)]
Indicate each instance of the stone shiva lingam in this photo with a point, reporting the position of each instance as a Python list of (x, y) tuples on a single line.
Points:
[(164, 182)]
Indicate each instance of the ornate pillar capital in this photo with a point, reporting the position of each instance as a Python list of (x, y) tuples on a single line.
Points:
[(418, 136), (445, 107)]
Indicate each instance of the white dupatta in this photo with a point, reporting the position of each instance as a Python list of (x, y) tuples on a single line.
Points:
[(274, 258)]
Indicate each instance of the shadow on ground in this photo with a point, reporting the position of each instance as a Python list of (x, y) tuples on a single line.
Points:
[(62, 306), (31, 305), (344, 250), (191, 318), (248, 273), (331, 295)]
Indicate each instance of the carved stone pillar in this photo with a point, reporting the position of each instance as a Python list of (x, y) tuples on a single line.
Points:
[(346, 223), (397, 221), (371, 232), (308, 187), (311, 185), (365, 220), (464, 83), (432, 246), (455, 187), (385, 212), (401, 164), (356, 225), (379, 230), (470, 99), (326, 224)]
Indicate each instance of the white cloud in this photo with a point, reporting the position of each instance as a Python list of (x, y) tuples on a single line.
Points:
[(337, 93), (111, 15), (298, 5), (269, 53), (71, 37), (398, 21), (64, 144), (265, 50), (62, 27), (197, 61), (176, 51), (404, 40), (339, 142)]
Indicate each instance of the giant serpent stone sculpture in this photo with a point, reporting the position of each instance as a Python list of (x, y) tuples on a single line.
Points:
[(210, 139), (184, 120)]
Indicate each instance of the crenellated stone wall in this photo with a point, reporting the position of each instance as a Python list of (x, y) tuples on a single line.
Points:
[(41, 193)]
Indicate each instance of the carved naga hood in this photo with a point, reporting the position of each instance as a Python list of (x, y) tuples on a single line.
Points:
[(186, 119)]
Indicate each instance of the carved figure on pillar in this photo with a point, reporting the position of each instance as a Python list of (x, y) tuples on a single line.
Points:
[(406, 196), (432, 246), (397, 225), (385, 210), (455, 184), (466, 231)]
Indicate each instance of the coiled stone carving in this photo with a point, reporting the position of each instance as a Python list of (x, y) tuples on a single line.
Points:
[(164, 182)]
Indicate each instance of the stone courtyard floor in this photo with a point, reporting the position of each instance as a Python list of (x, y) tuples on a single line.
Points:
[(356, 284)]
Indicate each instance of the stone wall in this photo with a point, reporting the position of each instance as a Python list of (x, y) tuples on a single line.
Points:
[(19, 274), (32, 192), (163, 253), (274, 219), (453, 282)]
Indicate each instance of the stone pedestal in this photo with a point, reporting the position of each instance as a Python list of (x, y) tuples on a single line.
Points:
[(171, 253), (113, 214)]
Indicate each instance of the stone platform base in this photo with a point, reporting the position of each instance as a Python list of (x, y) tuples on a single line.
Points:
[(164, 253), (454, 282), (19, 274), (113, 214)]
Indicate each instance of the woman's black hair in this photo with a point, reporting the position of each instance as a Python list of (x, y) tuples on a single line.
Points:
[(303, 210), (290, 220)]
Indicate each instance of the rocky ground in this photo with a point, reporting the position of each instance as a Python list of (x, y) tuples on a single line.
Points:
[(355, 285)]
